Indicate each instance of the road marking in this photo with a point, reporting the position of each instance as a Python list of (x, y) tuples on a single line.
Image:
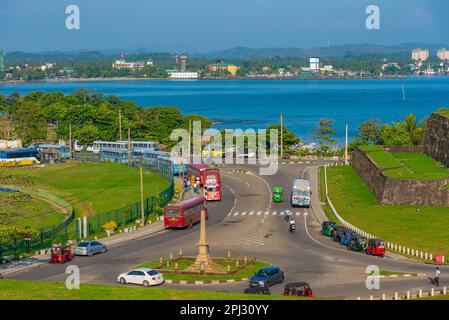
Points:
[(267, 213), (236, 213), (244, 213), (259, 213), (298, 214), (274, 213), (251, 213), (281, 213)]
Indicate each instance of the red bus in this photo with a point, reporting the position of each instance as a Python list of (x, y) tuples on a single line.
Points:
[(185, 213), (212, 184), (197, 170)]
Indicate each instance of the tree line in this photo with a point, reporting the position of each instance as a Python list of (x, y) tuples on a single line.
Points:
[(39, 116)]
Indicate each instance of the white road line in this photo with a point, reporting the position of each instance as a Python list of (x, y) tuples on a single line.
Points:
[(251, 213), (281, 213), (259, 213), (267, 213), (236, 213), (316, 241), (244, 213), (274, 213), (298, 214)]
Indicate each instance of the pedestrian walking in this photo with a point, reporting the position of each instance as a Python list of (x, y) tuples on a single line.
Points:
[(437, 276)]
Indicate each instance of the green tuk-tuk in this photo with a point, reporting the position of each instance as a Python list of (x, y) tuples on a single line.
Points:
[(278, 194), (327, 228), (358, 242)]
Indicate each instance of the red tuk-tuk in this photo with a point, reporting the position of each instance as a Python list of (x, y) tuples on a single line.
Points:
[(61, 254), (375, 247)]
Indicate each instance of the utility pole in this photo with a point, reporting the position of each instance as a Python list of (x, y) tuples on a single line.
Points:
[(282, 136), (70, 140), (120, 123), (142, 207), (190, 139), (346, 146), (129, 146)]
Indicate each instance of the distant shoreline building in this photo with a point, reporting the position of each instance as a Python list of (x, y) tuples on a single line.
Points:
[(443, 54), (314, 64), (226, 67), (182, 73), (176, 74), (132, 65), (420, 55)]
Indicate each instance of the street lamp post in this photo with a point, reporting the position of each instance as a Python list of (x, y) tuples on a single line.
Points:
[(27, 239)]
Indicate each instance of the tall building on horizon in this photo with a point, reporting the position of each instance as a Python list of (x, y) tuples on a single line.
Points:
[(443, 54), (183, 60), (420, 55)]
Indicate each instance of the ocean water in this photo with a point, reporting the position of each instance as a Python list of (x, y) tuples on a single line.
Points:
[(257, 103)]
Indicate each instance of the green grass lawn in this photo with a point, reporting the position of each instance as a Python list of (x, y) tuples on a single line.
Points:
[(426, 229), (23, 210), (245, 273), (91, 188), (38, 290), (384, 159), (418, 166), (406, 165)]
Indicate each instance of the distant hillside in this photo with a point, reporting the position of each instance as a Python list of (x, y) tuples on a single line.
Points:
[(239, 53), (85, 56), (244, 53)]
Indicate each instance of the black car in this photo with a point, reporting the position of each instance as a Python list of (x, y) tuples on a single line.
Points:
[(258, 290)]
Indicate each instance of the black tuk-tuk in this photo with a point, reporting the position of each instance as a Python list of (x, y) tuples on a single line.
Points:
[(337, 232), (298, 289)]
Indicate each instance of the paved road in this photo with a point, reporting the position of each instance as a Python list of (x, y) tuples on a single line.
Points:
[(248, 223)]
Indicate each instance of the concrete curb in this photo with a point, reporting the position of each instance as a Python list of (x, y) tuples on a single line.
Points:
[(204, 282), (405, 275)]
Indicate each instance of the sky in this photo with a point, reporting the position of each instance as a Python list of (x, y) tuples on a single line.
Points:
[(199, 26)]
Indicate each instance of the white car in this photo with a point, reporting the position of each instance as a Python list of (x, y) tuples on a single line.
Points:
[(143, 276)]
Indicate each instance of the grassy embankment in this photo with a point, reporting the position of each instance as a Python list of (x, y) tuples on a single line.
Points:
[(39, 290), (90, 188), (426, 229), (23, 210)]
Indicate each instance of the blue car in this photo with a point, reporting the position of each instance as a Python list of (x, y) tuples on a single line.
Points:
[(89, 248), (266, 277)]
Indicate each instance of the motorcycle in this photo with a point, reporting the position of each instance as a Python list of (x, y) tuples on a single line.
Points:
[(292, 226), (288, 215)]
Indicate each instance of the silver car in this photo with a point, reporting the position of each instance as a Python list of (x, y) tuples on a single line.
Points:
[(89, 248)]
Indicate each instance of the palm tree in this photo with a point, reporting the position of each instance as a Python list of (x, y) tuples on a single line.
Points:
[(413, 129)]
